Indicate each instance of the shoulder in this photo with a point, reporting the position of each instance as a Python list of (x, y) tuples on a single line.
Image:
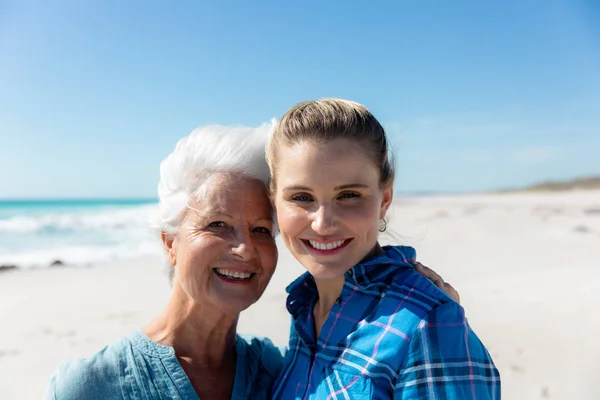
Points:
[(96, 377), (262, 350), (416, 298), (446, 327), (408, 279), (409, 286)]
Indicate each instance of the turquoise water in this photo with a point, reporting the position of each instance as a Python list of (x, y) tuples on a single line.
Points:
[(75, 231)]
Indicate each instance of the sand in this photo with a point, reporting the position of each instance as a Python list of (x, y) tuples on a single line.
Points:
[(527, 267)]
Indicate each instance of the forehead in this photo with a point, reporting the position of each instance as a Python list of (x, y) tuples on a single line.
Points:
[(339, 161), (234, 195)]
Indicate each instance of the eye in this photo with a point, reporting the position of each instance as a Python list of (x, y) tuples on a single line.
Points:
[(302, 197), (263, 231), (218, 225), (349, 195)]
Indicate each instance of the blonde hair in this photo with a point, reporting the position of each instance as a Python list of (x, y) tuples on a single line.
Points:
[(320, 121)]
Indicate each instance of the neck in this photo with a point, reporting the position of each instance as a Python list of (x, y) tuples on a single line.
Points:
[(198, 333), (330, 289), (377, 250)]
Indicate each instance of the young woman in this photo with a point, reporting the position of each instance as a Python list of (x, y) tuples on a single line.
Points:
[(365, 323)]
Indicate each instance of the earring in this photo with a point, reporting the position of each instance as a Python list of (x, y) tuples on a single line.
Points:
[(382, 225)]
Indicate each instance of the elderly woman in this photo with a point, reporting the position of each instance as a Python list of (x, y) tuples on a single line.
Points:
[(217, 227)]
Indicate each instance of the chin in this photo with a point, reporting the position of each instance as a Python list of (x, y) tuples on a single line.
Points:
[(235, 307), (232, 304), (320, 271)]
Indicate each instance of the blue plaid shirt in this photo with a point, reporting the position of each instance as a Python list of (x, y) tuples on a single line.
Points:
[(392, 334)]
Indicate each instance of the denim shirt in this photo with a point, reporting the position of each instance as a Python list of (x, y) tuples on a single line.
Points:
[(136, 368), (392, 334)]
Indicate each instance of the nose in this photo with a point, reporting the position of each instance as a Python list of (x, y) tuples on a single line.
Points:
[(323, 220), (244, 248)]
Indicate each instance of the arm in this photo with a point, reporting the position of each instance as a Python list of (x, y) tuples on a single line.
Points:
[(82, 379), (447, 360)]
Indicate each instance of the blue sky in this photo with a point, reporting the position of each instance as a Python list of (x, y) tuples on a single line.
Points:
[(475, 95)]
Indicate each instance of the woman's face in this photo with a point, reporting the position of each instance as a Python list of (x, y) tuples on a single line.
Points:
[(329, 204), (224, 253)]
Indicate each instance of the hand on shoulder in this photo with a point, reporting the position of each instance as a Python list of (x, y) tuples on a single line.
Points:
[(437, 280)]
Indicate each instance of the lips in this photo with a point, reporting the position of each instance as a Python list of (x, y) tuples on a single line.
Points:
[(326, 247), (233, 276)]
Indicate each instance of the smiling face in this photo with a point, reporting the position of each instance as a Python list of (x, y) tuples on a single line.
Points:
[(224, 253), (329, 203)]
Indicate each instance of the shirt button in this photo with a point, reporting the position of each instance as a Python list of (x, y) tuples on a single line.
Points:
[(350, 273), (338, 300)]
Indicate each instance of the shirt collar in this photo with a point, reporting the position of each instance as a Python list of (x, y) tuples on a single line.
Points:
[(303, 290)]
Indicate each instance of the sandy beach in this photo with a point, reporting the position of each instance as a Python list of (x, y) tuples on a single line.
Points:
[(527, 267)]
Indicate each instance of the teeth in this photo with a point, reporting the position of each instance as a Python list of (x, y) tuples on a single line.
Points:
[(233, 274), (326, 246)]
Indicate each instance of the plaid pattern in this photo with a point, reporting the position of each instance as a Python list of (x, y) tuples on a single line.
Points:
[(392, 334)]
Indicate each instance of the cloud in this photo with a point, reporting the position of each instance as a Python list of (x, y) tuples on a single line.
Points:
[(535, 155)]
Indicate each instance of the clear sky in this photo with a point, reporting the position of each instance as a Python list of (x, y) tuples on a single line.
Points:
[(475, 95)]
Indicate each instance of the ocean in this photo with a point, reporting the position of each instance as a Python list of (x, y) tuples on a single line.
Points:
[(37, 233)]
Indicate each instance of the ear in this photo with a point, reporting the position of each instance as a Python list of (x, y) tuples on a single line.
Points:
[(386, 200), (171, 250)]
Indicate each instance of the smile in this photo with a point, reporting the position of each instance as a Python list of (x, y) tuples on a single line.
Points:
[(228, 274), (329, 247)]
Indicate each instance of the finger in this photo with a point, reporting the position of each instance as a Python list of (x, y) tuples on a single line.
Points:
[(448, 288), (428, 272)]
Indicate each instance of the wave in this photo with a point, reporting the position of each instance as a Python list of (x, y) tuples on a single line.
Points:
[(119, 219), (77, 236)]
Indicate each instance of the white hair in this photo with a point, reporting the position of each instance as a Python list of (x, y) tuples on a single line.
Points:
[(197, 157)]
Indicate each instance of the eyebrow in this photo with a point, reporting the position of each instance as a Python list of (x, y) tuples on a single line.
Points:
[(341, 187), (210, 214), (268, 219), (218, 213), (352, 186)]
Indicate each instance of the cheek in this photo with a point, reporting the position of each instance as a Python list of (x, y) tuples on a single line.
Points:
[(201, 252), (291, 219), (268, 255), (364, 214)]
